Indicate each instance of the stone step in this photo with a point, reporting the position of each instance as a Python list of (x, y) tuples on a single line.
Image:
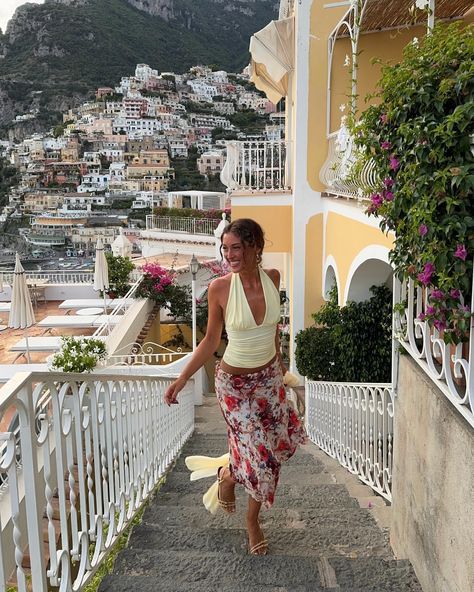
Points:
[(289, 475), (177, 517), (317, 540), (180, 568), (323, 496)]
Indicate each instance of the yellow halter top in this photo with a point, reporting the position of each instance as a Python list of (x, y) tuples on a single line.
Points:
[(250, 345)]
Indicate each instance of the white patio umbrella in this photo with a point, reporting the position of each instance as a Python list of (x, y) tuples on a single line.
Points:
[(21, 312), (101, 273)]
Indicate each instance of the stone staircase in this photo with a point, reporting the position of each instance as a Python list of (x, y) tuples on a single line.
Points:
[(320, 538)]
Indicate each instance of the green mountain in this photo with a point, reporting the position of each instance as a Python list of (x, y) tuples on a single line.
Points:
[(54, 55)]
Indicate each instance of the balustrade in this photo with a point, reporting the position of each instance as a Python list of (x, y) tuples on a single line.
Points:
[(340, 175), (86, 453), (256, 166), (353, 423), (449, 366), (188, 225)]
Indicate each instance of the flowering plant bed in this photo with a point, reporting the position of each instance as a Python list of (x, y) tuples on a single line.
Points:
[(419, 136), (160, 285), (78, 354)]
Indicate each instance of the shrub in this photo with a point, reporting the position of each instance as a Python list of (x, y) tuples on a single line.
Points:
[(352, 343), (120, 269), (78, 354), (159, 284)]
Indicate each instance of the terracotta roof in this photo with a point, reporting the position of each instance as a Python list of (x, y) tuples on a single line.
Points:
[(391, 14)]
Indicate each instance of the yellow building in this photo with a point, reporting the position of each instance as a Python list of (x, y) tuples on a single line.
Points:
[(319, 56)]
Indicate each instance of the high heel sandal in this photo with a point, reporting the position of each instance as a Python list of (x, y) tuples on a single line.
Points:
[(227, 506), (260, 548)]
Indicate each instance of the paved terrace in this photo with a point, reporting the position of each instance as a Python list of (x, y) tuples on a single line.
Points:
[(326, 532)]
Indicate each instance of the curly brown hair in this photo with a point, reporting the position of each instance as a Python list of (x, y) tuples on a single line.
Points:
[(250, 233)]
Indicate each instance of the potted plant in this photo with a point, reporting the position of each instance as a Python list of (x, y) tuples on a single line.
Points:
[(78, 354)]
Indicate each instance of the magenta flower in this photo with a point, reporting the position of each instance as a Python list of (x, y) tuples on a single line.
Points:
[(394, 163), (421, 316), (388, 182), (430, 310), (384, 118), (425, 276), (437, 295), (386, 145), (389, 195), (461, 252), (423, 230), (454, 293), (376, 199), (464, 308), (440, 325)]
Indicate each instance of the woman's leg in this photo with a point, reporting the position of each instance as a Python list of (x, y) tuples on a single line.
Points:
[(257, 542), (226, 489)]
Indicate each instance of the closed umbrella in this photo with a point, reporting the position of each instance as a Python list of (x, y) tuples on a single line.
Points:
[(21, 311), (101, 273)]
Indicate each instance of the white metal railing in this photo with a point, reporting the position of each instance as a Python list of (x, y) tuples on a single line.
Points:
[(339, 174), (79, 469), (448, 366), (353, 423), (256, 166), (188, 225), (119, 309), (149, 353), (59, 276)]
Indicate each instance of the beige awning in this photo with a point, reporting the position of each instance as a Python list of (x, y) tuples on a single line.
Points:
[(272, 51)]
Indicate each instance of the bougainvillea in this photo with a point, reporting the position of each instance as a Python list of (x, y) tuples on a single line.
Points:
[(159, 284), (420, 137)]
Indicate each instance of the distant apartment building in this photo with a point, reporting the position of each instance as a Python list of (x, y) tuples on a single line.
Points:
[(178, 148), (80, 201), (210, 163), (208, 121), (93, 182), (135, 108), (202, 89), (103, 91), (136, 128), (39, 202), (143, 72)]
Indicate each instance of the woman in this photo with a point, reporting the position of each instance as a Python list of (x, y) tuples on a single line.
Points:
[(263, 429)]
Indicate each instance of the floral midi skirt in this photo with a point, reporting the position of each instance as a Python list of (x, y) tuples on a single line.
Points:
[(263, 428)]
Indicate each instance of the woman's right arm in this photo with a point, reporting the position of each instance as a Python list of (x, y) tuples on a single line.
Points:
[(208, 345)]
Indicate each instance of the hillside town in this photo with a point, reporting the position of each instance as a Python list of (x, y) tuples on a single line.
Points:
[(112, 160)]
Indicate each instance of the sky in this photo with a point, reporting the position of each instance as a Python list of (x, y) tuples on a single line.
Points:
[(8, 7)]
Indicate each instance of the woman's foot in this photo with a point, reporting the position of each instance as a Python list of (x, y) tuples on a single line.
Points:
[(258, 544), (225, 490)]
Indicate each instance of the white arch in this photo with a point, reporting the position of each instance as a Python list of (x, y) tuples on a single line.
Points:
[(378, 272), (330, 265)]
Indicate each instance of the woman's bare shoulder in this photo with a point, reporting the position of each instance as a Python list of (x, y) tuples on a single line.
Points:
[(220, 284), (274, 275)]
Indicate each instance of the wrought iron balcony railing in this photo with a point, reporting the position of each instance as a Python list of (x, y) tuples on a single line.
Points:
[(340, 174), (257, 166), (187, 225)]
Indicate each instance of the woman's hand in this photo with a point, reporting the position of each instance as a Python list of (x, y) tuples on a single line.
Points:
[(171, 394)]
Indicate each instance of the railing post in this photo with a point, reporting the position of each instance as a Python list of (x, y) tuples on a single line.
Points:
[(26, 413)]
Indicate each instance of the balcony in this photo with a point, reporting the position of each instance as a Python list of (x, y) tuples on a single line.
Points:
[(204, 226), (257, 166), (339, 174)]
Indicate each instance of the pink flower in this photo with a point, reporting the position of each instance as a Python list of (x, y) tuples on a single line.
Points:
[(384, 118), (421, 316), (427, 273), (440, 325), (386, 145), (376, 199), (388, 182), (461, 252), (437, 295), (430, 310), (389, 195), (454, 293), (394, 163), (423, 230)]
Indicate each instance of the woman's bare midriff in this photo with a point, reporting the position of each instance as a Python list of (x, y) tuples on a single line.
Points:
[(234, 370)]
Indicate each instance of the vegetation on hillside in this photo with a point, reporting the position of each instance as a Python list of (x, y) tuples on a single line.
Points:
[(82, 47)]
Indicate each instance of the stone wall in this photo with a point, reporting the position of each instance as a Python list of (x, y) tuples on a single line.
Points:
[(433, 484)]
